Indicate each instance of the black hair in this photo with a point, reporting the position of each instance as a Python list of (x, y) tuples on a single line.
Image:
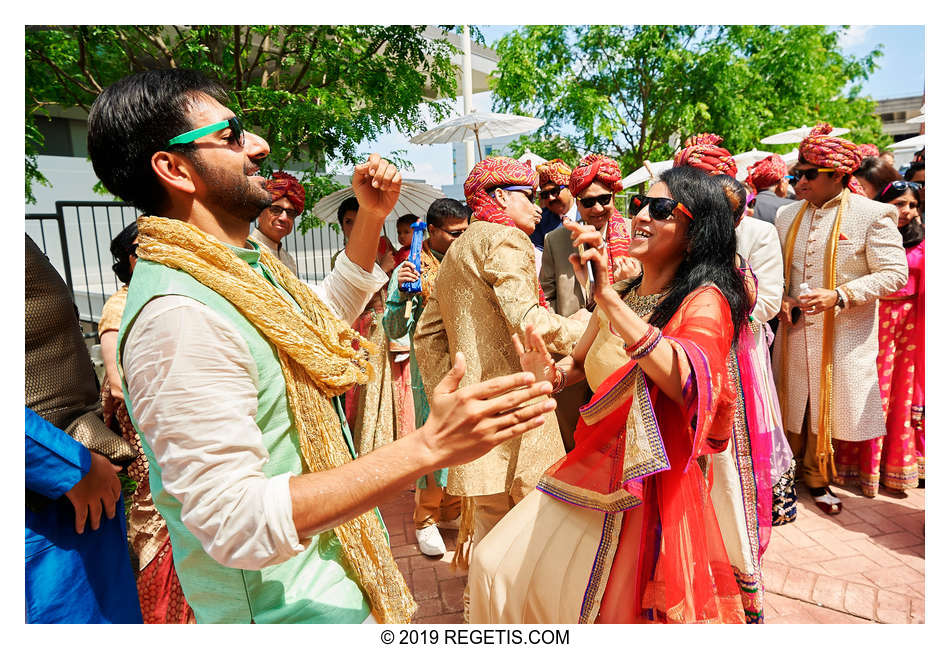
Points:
[(133, 119), (406, 219), (913, 232), (710, 252), (349, 205), (877, 172), (446, 208), (912, 169), (121, 248)]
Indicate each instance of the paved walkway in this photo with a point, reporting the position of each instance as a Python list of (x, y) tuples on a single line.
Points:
[(863, 566)]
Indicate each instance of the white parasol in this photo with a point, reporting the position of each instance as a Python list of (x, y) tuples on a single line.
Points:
[(477, 125), (797, 135), (414, 198), (916, 142), (649, 171), (531, 159)]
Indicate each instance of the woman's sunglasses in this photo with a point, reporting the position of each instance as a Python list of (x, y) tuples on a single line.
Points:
[(809, 174), (236, 135), (588, 202), (660, 208), (899, 187)]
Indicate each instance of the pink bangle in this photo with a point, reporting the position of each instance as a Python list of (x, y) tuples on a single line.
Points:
[(640, 353)]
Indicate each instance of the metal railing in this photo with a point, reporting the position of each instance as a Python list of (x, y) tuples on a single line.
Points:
[(81, 253)]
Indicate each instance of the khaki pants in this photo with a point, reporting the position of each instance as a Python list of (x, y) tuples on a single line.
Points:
[(488, 511), (433, 505), (805, 449)]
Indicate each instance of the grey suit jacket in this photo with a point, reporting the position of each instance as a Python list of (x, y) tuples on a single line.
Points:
[(767, 204), (561, 289)]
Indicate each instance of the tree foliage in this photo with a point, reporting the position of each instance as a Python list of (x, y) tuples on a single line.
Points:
[(635, 92), (313, 92)]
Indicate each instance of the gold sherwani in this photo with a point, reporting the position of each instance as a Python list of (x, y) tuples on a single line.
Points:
[(870, 263), (487, 289)]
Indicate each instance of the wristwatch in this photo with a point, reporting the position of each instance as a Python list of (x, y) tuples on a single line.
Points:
[(840, 302)]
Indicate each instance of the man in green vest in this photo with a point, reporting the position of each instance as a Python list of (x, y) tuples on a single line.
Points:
[(232, 367)]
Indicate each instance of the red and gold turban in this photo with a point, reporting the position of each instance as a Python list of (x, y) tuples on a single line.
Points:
[(554, 171), (824, 150), (497, 172), (868, 151), (702, 151), (284, 185), (767, 172), (595, 167)]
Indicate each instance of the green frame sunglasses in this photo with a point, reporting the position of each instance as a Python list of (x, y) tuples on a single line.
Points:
[(237, 132)]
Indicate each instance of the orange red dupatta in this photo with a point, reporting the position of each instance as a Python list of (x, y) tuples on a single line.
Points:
[(661, 555)]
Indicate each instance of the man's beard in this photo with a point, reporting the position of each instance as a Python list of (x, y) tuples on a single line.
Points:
[(233, 194)]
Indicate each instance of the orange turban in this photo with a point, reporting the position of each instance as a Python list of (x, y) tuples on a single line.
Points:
[(554, 171), (595, 167), (767, 172), (823, 150), (702, 151), (283, 184)]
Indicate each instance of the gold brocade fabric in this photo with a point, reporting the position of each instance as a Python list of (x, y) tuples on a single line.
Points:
[(320, 356), (430, 270), (374, 415)]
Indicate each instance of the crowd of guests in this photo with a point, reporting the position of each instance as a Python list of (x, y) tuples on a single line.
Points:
[(588, 397)]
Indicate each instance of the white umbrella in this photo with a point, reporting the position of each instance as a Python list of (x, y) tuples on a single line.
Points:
[(746, 159), (797, 135), (531, 159), (919, 118), (915, 142), (476, 125), (414, 198), (649, 171)]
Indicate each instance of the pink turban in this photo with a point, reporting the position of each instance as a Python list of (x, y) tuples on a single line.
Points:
[(488, 174), (767, 172), (868, 151), (595, 167), (702, 151), (823, 150)]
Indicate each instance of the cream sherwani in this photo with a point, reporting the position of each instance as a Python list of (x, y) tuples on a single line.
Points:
[(487, 289), (276, 247), (758, 243), (870, 263)]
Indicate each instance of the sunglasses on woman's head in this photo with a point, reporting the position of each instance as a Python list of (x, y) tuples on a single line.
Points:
[(899, 186), (810, 174), (660, 208), (588, 202)]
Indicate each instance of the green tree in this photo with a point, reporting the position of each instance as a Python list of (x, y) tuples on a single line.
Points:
[(313, 92), (635, 92)]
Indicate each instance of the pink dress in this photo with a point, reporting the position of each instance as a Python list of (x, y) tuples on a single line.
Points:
[(897, 459)]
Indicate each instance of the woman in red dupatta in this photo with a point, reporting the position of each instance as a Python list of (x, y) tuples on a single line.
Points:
[(622, 528)]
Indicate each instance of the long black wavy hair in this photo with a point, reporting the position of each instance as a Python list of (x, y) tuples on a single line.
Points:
[(121, 248), (710, 251)]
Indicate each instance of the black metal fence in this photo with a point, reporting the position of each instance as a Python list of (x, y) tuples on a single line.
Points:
[(79, 248)]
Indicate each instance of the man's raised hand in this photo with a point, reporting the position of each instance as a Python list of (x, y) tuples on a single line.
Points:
[(376, 184)]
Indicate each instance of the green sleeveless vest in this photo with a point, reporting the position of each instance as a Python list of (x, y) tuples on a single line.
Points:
[(311, 587)]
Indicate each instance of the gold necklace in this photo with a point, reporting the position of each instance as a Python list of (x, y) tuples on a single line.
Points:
[(643, 305)]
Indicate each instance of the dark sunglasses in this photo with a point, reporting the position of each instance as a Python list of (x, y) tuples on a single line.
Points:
[(276, 210), (809, 174), (588, 202), (550, 193), (455, 234), (660, 208), (237, 132), (899, 186)]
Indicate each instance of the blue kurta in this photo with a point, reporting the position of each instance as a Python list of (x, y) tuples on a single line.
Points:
[(71, 578)]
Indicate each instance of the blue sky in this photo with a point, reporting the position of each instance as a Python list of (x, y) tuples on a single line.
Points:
[(900, 74)]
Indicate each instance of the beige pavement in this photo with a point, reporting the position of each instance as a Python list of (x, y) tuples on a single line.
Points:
[(865, 565)]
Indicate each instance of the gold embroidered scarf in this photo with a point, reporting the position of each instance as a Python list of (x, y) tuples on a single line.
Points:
[(430, 270), (825, 449), (319, 360)]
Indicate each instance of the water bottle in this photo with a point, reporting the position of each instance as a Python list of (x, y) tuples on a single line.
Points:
[(415, 257)]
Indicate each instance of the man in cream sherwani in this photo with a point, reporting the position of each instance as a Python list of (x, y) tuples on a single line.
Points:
[(826, 350)]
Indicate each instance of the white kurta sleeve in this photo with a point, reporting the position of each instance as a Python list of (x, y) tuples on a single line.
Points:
[(193, 388), (765, 259), (348, 288)]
